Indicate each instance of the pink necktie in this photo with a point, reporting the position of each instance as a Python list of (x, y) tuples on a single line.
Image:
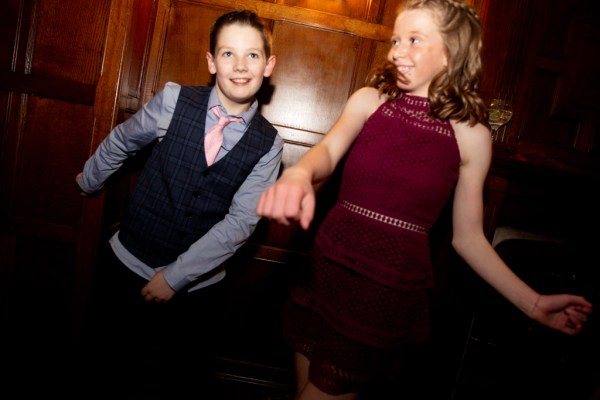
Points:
[(214, 137)]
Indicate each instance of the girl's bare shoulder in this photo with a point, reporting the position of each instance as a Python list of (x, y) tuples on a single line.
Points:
[(367, 99)]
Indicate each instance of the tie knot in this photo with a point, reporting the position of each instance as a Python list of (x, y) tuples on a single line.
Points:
[(224, 121)]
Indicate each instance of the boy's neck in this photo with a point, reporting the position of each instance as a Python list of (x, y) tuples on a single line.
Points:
[(236, 109)]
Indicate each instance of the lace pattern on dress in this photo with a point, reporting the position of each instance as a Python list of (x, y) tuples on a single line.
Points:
[(415, 111)]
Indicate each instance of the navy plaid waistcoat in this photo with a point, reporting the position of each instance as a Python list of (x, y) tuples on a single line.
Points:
[(178, 198)]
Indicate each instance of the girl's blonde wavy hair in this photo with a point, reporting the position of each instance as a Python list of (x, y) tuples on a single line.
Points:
[(453, 92)]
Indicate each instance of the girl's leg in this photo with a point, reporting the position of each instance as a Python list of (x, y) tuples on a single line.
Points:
[(306, 390), (311, 392), (301, 364)]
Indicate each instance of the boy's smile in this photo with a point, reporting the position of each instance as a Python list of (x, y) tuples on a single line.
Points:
[(239, 65)]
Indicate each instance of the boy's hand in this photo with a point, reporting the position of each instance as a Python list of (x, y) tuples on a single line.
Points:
[(78, 182), (157, 289)]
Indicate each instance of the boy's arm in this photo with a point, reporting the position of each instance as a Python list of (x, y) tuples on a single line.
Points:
[(126, 139)]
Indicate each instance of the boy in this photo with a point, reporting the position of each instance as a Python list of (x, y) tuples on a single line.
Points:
[(185, 216)]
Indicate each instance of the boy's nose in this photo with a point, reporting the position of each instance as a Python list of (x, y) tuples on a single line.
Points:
[(240, 65)]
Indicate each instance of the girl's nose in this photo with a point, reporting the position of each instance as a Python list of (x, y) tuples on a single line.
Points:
[(397, 51)]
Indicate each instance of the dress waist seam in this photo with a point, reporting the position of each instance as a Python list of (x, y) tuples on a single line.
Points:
[(384, 218)]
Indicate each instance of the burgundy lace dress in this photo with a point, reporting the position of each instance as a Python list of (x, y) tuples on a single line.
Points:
[(365, 293)]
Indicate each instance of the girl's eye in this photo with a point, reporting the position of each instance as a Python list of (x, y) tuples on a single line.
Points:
[(415, 40), (395, 42)]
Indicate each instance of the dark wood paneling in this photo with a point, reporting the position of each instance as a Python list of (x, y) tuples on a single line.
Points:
[(68, 40), (548, 68), (53, 134), (136, 56), (186, 42), (357, 9), (45, 86), (311, 107), (58, 79), (14, 20)]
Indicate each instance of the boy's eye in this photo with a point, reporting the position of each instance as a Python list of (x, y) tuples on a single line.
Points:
[(415, 40), (227, 54), (254, 56)]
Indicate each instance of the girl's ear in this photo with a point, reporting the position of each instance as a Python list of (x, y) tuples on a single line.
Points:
[(211, 63)]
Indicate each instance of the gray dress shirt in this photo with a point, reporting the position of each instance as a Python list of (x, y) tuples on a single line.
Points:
[(203, 261)]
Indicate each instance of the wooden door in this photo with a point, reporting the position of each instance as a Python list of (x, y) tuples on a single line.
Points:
[(60, 66)]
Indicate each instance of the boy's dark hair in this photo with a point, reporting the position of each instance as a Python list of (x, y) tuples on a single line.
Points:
[(242, 17)]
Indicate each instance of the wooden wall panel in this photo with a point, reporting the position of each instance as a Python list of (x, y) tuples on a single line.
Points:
[(47, 140), (8, 155), (9, 26), (53, 134), (545, 65), (136, 54), (388, 15), (544, 87), (69, 40), (556, 120), (358, 9), (312, 78), (186, 42), (381, 52)]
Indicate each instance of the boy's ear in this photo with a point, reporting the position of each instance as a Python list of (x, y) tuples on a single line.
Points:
[(270, 65), (211, 63)]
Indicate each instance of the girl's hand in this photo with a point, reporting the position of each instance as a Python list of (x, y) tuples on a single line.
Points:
[(292, 197), (563, 312)]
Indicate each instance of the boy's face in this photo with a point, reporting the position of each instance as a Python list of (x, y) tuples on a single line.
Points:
[(239, 65)]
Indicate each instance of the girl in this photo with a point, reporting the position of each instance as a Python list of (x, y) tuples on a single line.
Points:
[(413, 137)]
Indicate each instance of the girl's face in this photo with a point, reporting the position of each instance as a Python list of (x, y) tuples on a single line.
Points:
[(239, 65), (417, 51)]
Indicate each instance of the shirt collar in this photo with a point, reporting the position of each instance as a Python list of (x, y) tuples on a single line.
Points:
[(213, 100)]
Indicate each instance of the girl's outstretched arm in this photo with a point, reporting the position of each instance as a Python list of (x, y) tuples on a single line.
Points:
[(292, 197), (563, 312)]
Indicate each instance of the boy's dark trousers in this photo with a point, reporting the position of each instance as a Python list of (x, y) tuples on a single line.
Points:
[(148, 346)]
